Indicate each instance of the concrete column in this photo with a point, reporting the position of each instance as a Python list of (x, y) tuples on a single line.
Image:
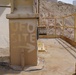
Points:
[(12, 6), (23, 33)]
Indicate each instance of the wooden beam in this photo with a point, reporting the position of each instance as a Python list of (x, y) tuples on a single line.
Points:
[(73, 43), (55, 27), (49, 36), (63, 27), (75, 28), (60, 17), (69, 27)]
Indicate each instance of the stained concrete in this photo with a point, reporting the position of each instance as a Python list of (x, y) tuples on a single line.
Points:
[(4, 25), (57, 60), (23, 33)]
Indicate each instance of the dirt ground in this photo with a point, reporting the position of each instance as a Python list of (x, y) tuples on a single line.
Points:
[(57, 60)]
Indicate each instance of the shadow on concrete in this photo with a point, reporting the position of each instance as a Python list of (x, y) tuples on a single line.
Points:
[(2, 9), (4, 4), (10, 72), (6, 69)]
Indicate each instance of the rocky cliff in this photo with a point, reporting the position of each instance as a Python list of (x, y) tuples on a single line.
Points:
[(50, 10), (55, 9)]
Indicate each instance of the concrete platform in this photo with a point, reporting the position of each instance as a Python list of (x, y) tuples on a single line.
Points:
[(57, 60)]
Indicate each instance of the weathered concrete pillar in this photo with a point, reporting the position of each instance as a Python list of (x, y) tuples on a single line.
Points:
[(23, 32)]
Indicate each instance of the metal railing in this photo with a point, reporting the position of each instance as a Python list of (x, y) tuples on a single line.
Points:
[(62, 26)]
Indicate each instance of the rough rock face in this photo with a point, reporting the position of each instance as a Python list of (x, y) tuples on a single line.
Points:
[(51, 10), (55, 9), (52, 0)]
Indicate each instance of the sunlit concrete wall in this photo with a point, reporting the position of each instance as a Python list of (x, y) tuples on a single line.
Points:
[(4, 23)]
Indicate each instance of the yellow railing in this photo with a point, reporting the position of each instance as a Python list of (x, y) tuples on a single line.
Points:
[(65, 27), (69, 27)]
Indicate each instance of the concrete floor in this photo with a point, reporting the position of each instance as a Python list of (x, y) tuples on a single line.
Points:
[(58, 60)]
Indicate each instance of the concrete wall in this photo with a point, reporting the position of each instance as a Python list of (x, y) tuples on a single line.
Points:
[(4, 2), (4, 23)]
